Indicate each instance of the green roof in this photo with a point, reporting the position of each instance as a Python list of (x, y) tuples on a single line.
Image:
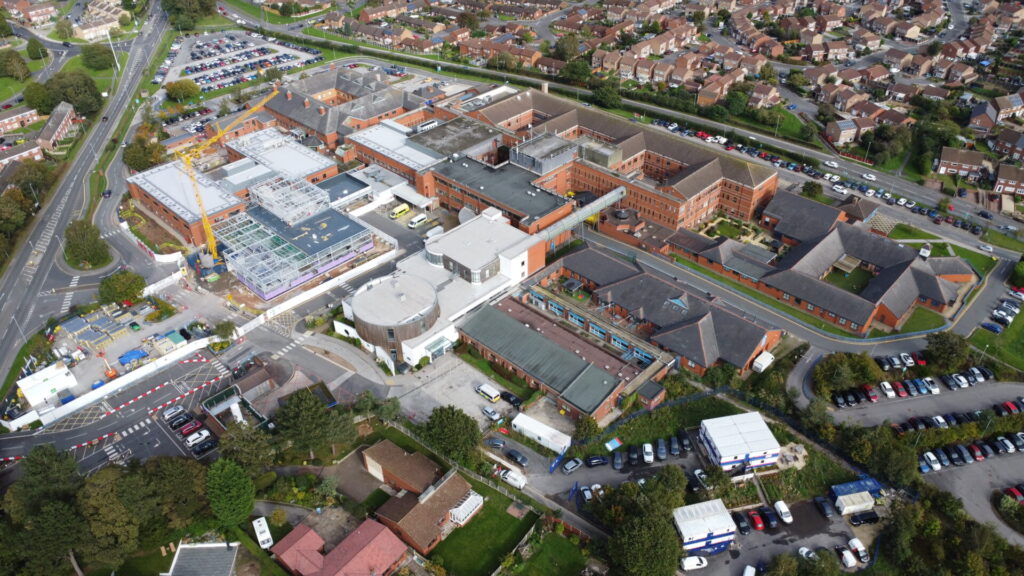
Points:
[(577, 381)]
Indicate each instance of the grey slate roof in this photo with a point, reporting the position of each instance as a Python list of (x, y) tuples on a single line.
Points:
[(57, 116), (801, 218), (577, 381), (204, 560), (950, 265), (598, 267), (651, 298), (692, 242), (716, 335)]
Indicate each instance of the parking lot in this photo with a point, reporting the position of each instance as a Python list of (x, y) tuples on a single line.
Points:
[(979, 397), (224, 58), (448, 380)]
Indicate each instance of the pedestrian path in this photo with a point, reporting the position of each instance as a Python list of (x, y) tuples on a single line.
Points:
[(296, 342)]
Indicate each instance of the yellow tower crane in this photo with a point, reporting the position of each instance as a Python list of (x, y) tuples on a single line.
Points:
[(189, 155)]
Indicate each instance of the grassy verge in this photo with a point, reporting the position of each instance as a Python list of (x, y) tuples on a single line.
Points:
[(982, 263), (767, 300), (477, 548), (554, 556), (908, 232), (104, 78), (16, 366), (788, 129), (812, 480), (854, 282), (922, 319), (272, 17), (518, 388), (1003, 241), (1008, 346)]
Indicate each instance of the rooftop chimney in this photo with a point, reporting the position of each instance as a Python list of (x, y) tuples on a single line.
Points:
[(323, 110), (306, 102), (288, 95)]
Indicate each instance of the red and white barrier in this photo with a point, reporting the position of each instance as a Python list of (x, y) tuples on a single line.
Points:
[(184, 395)]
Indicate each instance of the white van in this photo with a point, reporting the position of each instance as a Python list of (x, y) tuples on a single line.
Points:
[(417, 220), (749, 571), (197, 437), (784, 513), (488, 392), (514, 479)]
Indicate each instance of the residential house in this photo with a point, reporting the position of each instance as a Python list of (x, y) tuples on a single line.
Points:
[(847, 97), (843, 132), (894, 58), (894, 118), (17, 117), (920, 65), (884, 25), (627, 66), (402, 470), (61, 122), (903, 92), (864, 39), (764, 96), (389, 10), (907, 30), (550, 66), (876, 74), (1011, 105), (369, 549), (423, 520), (39, 13), (1010, 180), (28, 150), (866, 109), (1010, 143), (643, 71), (837, 51), (820, 75), (96, 28), (963, 163)]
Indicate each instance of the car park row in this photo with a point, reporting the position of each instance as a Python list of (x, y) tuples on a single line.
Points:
[(196, 438), (911, 387), (969, 453)]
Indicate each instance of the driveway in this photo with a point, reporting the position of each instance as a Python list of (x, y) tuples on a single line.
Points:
[(980, 397), (447, 381)]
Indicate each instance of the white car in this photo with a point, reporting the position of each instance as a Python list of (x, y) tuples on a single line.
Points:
[(1017, 295), (835, 178), (1007, 445), (985, 248), (870, 193), (932, 386), (784, 513), (588, 495), (828, 176), (950, 27), (831, 164), (858, 547), (932, 461), (959, 378), (887, 390), (807, 554), (901, 202), (693, 563), (648, 453), (907, 360), (869, 177), (840, 189), (847, 557), (940, 422), (910, 204), (491, 414)]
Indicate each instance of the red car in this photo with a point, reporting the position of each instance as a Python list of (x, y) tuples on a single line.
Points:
[(1015, 494), (1011, 407), (871, 393), (755, 520), (190, 427), (919, 358), (6, 106), (976, 452), (901, 391)]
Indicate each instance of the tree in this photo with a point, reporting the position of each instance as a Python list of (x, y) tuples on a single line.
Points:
[(47, 476), (1017, 275), (82, 243), (183, 14), (249, 446), (606, 97), (35, 49), (113, 528), (934, 48), (811, 189), (827, 113), (453, 433), (948, 350), (122, 286), (63, 29), (468, 20), (5, 28), (272, 74), (308, 424), (37, 97), (141, 154), (224, 329), (34, 175), (12, 216), (12, 65), (736, 102), (278, 517), (586, 429), (180, 486), (769, 75), (231, 492), (797, 81), (124, 21), (503, 61), (49, 540), (646, 544), (720, 375), (388, 409), (567, 48), (182, 90), (718, 113), (97, 57), (698, 20), (76, 88), (576, 72)]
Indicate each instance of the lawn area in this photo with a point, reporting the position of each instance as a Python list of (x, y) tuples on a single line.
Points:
[(1008, 346), (728, 229), (854, 282), (104, 78), (38, 125), (890, 165), (922, 319), (477, 548), (272, 17), (764, 299), (820, 198), (789, 127), (665, 421), (554, 556), (213, 21), (908, 232), (520, 389), (982, 263), (138, 565), (814, 479), (1003, 241)]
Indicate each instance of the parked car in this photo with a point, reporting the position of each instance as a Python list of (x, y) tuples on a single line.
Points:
[(783, 511), (661, 449), (594, 461), (201, 449), (684, 439), (845, 556), (494, 443), (907, 359), (648, 453), (741, 523), (571, 466), (861, 518), (634, 455), (755, 520), (887, 389), (517, 457), (512, 399), (932, 461), (824, 506), (491, 413), (618, 460), (693, 563), (771, 519), (674, 446), (858, 548), (190, 427), (587, 494)]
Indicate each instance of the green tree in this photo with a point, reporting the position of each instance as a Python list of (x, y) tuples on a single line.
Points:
[(272, 74), (249, 446), (736, 102), (567, 48), (63, 29), (503, 61), (827, 113), (35, 49), (797, 80), (183, 14), (124, 21), (49, 540), (468, 20), (646, 544), (12, 215), (718, 113), (934, 48), (698, 20), (83, 244), (180, 485), (231, 492), (47, 476), (224, 329), (122, 286), (389, 409), (769, 75), (308, 424), (113, 531), (720, 375), (78, 89), (34, 175), (606, 97), (141, 154), (1017, 275), (182, 90), (948, 350), (586, 429), (97, 57), (453, 433), (12, 65), (5, 28), (811, 189), (37, 97), (576, 72)]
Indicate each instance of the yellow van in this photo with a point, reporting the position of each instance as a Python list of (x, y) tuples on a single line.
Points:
[(398, 211)]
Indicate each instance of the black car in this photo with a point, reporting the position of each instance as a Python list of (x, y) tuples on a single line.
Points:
[(989, 375), (824, 506), (741, 523), (859, 395), (180, 421), (954, 456), (998, 447), (976, 230), (684, 439), (883, 363), (771, 519), (108, 193), (661, 449), (66, 44), (869, 517), (203, 447), (851, 398), (999, 409), (618, 460), (838, 400), (593, 461), (512, 399), (985, 448), (673, 446), (985, 214), (518, 457), (693, 485), (496, 443), (634, 455), (185, 333)]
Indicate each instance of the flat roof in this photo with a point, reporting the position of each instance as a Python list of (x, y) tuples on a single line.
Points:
[(170, 185), (711, 517), (281, 153), (313, 234), (379, 178), (394, 300), (547, 144), (509, 186), (391, 143), (342, 186), (744, 433), (455, 136), (479, 241), (241, 174)]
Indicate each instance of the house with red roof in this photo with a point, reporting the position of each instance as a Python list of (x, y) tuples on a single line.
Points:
[(370, 549)]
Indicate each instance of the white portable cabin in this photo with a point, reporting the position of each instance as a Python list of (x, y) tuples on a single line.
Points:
[(539, 432), (854, 503), (704, 525)]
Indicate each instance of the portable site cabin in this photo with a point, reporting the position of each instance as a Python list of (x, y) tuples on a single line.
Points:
[(854, 503), (537, 431)]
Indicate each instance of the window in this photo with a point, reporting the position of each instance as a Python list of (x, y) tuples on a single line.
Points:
[(785, 296), (810, 307), (391, 333), (691, 364), (854, 325), (842, 321), (831, 314)]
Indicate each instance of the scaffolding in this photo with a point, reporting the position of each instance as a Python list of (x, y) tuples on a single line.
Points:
[(291, 200)]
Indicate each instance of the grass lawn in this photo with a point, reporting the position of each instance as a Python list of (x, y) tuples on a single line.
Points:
[(1008, 346), (517, 388), (854, 282), (213, 21), (982, 263), (665, 421), (1003, 240), (908, 232), (104, 78), (910, 173), (477, 548), (922, 319), (814, 479), (38, 125), (767, 300), (820, 198), (149, 563), (728, 229), (890, 165), (789, 127), (273, 18), (375, 500), (555, 556)]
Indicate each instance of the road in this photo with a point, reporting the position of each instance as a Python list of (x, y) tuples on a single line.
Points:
[(39, 269)]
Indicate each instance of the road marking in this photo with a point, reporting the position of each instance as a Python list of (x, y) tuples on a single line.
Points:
[(185, 394)]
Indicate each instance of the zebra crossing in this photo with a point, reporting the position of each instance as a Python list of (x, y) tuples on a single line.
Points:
[(110, 233), (66, 304), (297, 342), (132, 429), (41, 245), (221, 368)]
